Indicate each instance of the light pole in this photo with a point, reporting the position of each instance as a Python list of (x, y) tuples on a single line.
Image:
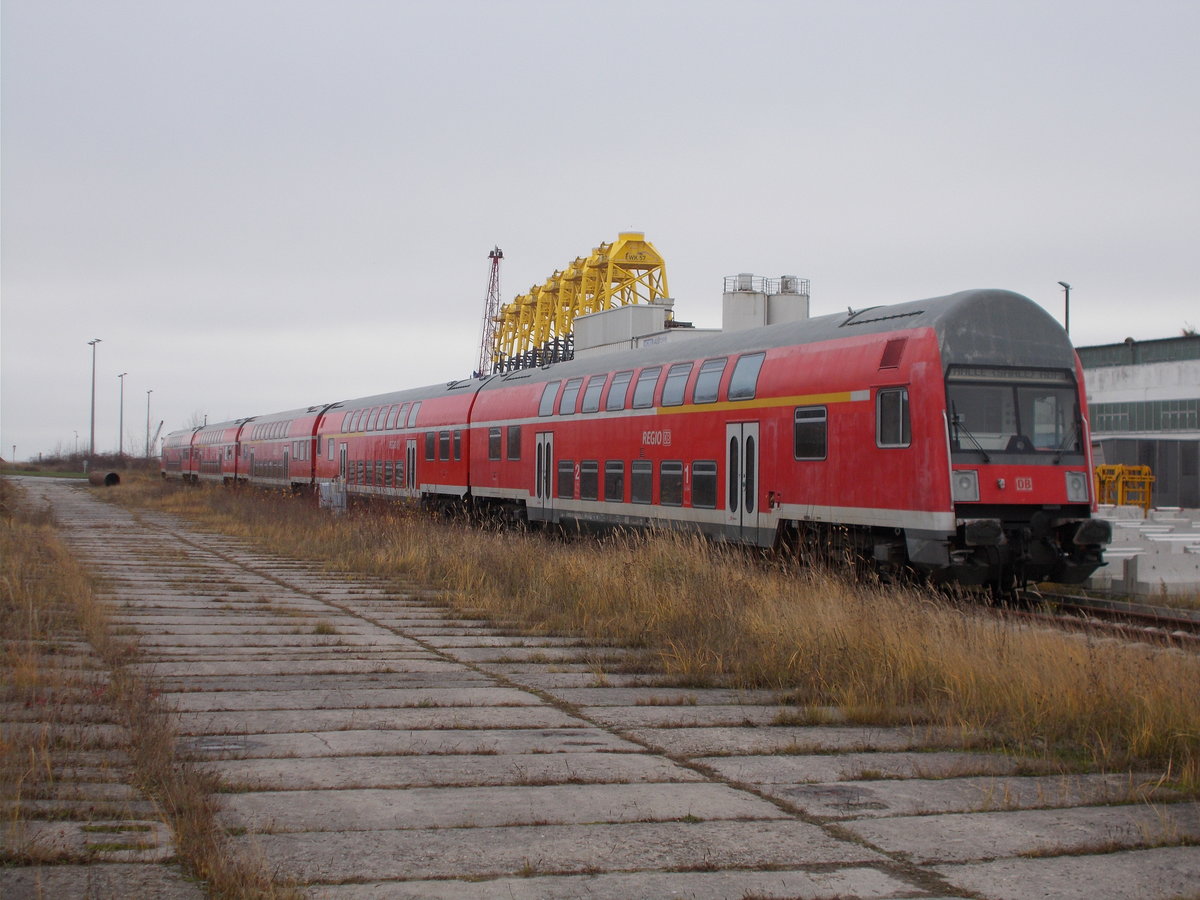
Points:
[(76, 430), (121, 420), (148, 393), (1066, 307), (92, 439)]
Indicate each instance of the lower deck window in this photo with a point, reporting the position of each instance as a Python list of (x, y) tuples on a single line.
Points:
[(589, 480), (566, 479), (704, 484), (670, 483), (614, 480), (641, 481)]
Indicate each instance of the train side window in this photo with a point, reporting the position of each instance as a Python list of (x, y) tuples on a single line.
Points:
[(704, 484), (810, 433), (709, 380), (513, 450), (444, 446), (388, 473), (643, 391), (412, 414), (379, 472), (677, 377), (892, 427), (403, 414), (329, 451), (591, 395), (670, 483), (373, 422), (457, 445), (431, 445), (566, 479), (641, 481), (566, 406), (589, 480), (744, 383), (614, 480), (617, 390), (391, 418), (493, 443), (546, 407)]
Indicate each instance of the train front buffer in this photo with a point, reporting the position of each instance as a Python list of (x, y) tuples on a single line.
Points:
[(1024, 523)]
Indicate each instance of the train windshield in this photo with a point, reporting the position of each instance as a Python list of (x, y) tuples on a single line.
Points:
[(1021, 411)]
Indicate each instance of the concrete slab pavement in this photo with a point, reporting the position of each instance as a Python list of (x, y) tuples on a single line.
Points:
[(521, 766)]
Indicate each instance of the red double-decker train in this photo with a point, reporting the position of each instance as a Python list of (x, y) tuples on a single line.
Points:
[(949, 436)]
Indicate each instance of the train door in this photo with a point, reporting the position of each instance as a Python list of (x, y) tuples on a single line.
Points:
[(543, 475), (741, 480), (410, 464), (342, 452), (287, 467)]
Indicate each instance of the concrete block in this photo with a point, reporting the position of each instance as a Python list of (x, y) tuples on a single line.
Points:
[(1164, 873), (1051, 832), (474, 807), (572, 849), (856, 881)]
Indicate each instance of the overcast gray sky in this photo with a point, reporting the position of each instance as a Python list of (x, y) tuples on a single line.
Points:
[(264, 204)]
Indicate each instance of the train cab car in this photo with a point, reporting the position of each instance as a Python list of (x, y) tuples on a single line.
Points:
[(833, 427)]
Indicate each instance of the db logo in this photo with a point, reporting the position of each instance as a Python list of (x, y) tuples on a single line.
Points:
[(1024, 484)]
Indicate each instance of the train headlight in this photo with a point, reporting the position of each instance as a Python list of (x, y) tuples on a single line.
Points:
[(1077, 487), (966, 484)]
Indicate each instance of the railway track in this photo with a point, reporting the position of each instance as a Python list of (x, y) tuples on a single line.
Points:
[(1130, 620)]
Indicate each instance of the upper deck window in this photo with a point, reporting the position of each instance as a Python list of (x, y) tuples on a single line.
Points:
[(566, 406), (677, 377), (709, 380), (643, 392), (744, 384), (591, 396), (617, 390), (546, 408)]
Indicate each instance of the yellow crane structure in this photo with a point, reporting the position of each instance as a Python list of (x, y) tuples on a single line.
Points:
[(537, 328)]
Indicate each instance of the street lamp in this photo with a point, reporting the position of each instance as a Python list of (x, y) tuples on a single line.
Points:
[(76, 430), (148, 393), (121, 420), (1066, 307), (92, 439)]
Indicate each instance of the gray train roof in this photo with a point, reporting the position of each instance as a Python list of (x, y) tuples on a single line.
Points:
[(976, 327)]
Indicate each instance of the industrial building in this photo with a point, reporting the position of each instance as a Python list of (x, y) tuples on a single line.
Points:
[(1144, 400)]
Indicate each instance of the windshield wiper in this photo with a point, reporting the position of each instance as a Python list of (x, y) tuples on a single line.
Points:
[(956, 421), (1062, 447)]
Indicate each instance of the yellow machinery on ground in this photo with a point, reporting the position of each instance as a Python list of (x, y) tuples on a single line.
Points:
[(1124, 485), (537, 328)]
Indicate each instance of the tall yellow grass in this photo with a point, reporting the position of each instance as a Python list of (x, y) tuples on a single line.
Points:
[(47, 597), (712, 615)]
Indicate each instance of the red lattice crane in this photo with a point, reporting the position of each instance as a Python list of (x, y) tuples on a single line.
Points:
[(491, 315)]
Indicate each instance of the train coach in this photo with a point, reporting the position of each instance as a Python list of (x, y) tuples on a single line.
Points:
[(947, 436)]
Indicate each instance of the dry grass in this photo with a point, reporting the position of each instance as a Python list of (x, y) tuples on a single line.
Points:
[(879, 654), (47, 601)]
